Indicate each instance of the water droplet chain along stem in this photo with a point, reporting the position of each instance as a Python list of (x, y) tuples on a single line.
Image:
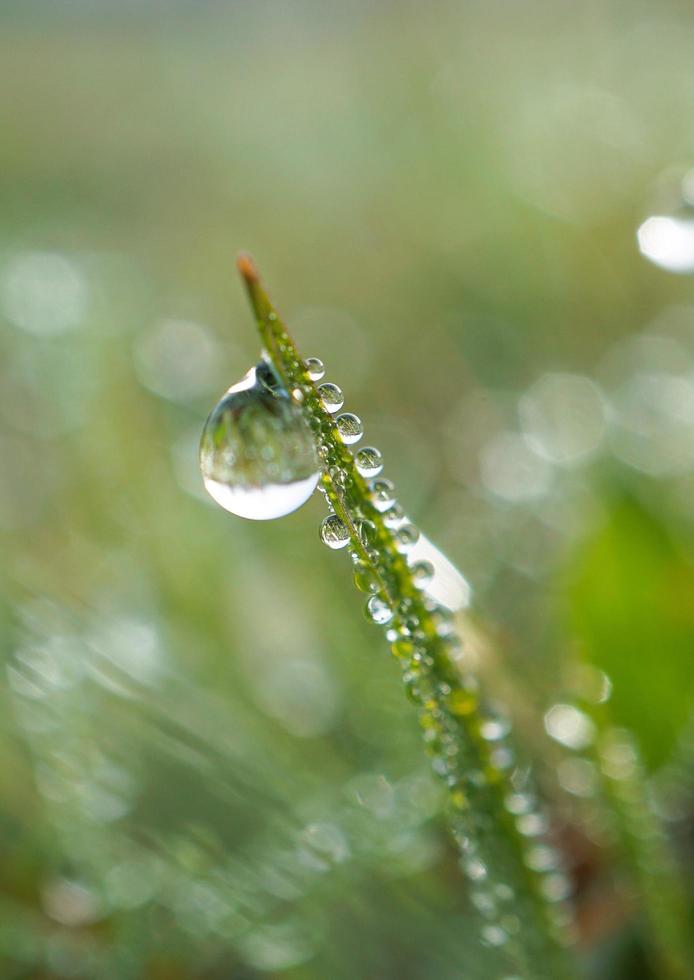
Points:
[(512, 873)]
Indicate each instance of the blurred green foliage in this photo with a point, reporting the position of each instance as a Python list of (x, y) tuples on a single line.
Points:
[(207, 768)]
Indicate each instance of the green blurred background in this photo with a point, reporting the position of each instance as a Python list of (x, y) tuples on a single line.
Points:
[(207, 766)]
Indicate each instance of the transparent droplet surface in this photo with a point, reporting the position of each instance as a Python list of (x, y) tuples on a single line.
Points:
[(314, 368), (493, 729), (367, 533), (334, 532), (494, 935), (257, 454), (394, 516), (331, 396), (378, 610), (406, 537), (422, 573), (382, 494), (369, 461), (350, 428), (365, 577)]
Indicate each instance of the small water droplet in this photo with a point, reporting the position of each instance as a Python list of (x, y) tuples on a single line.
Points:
[(504, 892), (378, 610), (394, 517), (365, 577), (493, 729), (334, 532), (383, 494), (367, 533), (494, 935), (484, 903), (518, 803), (257, 454), (578, 776), (542, 858), (340, 477), (556, 887), (401, 647), (332, 397), (369, 461), (570, 726), (461, 702), (406, 537), (475, 869), (531, 824), (619, 759), (314, 368), (350, 427), (502, 757), (422, 573)]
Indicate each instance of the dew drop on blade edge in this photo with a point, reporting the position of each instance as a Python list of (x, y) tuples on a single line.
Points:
[(314, 368), (257, 454), (383, 494), (378, 610), (334, 532), (369, 461), (350, 428), (331, 396)]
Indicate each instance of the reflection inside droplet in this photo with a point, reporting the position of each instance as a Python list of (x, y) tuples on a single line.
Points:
[(257, 454)]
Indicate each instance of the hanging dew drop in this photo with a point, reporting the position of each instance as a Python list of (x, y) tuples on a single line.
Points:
[(406, 537), (369, 461), (378, 611), (494, 729), (331, 396), (314, 368), (494, 935), (340, 477), (382, 494), (365, 577), (394, 516), (350, 428), (257, 454), (367, 533), (422, 573), (334, 532)]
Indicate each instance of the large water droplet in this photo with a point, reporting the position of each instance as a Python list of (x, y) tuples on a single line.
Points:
[(257, 454)]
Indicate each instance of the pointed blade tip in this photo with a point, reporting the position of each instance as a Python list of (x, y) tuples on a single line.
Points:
[(247, 267)]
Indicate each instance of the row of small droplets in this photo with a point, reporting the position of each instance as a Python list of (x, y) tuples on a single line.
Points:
[(500, 782), (370, 569), (443, 703)]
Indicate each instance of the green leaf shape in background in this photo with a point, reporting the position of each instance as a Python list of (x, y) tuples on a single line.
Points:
[(632, 608)]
